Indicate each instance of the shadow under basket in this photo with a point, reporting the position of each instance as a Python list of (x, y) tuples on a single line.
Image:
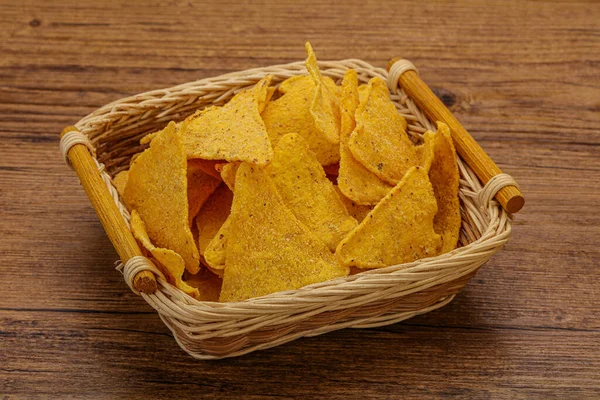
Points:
[(209, 330)]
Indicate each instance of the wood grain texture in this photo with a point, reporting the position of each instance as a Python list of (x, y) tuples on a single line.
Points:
[(522, 77)]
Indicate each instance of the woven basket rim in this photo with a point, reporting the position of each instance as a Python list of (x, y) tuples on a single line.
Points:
[(177, 308)]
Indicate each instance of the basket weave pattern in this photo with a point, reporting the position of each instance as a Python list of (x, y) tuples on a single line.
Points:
[(208, 330)]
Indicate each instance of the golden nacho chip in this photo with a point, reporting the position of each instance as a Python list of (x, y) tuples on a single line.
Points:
[(207, 166), (228, 172), (148, 138), (290, 83), (325, 107), (302, 184), (234, 132), (357, 211), (157, 190), (294, 81), (398, 230), (333, 169), (170, 263), (207, 284), (214, 253), (199, 188), (443, 174), (354, 180), (212, 216), (269, 249), (291, 114), (379, 141), (120, 181)]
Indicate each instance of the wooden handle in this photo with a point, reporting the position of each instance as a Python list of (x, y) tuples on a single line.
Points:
[(107, 211), (484, 167)]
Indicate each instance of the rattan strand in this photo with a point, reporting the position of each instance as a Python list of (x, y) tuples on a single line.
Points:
[(208, 330)]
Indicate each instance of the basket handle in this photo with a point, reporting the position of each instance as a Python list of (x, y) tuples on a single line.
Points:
[(116, 229), (404, 73)]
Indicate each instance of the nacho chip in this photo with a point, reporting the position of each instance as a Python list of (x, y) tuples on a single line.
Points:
[(291, 114), (306, 191), (234, 132), (290, 83), (354, 180), (379, 141), (398, 230), (157, 189), (325, 107), (357, 211), (212, 216), (170, 263), (443, 174), (228, 172), (207, 166), (214, 253), (333, 169), (148, 138), (207, 284), (269, 249), (120, 181), (199, 188), (309, 107)]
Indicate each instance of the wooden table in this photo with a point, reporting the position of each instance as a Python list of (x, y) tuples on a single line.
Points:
[(523, 77)]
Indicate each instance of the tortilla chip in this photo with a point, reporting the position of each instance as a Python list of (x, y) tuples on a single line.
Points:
[(309, 107), (354, 180), (398, 230), (120, 181), (170, 263), (157, 189), (234, 132), (269, 249), (325, 107), (444, 176), (199, 188), (228, 172), (207, 166), (357, 211), (289, 83), (207, 284), (379, 141), (212, 216), (306, 191), (214, 253), (333, 169), (148, 138)]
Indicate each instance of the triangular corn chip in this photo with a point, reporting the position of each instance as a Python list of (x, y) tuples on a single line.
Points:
[(170, 263), (379, 141), (443, 174), (354, 180), (120, 181), (207, 166), (325, 107), (228, 172), (290, 83), (214, 253), (269, 249), (291, 114), (306, 191), (234, 132), (398, 230), (212, 215), (207, 284), (199, 188), (157, 189), (357, 211)]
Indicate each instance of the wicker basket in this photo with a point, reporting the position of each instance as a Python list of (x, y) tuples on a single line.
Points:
[(208, 330)]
